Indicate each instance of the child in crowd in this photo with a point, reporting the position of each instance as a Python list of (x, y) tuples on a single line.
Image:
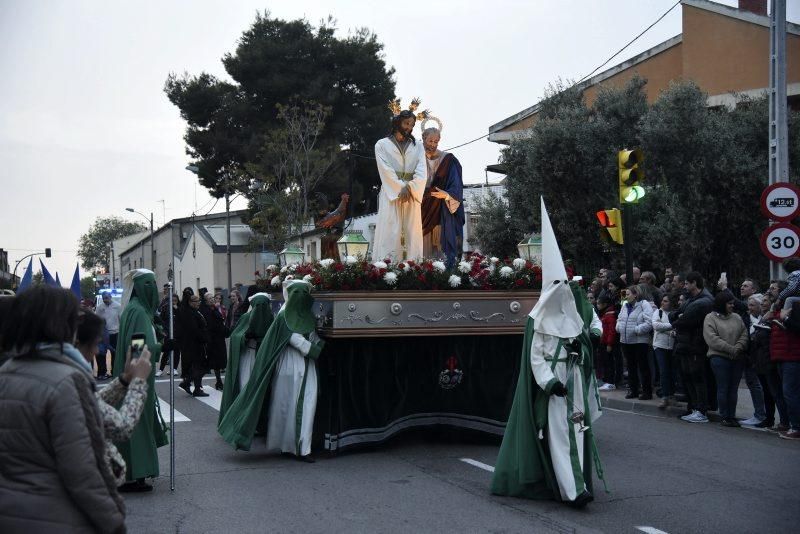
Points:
[(608, 342)]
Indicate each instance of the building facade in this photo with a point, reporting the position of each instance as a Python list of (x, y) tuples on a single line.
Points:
[(194, 249), (723, 49)]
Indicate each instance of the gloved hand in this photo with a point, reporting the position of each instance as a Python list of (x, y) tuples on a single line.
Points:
[(558, 389)]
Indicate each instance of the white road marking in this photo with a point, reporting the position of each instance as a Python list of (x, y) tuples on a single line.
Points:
[(214, 398), (179, 417), (650, 530), (479, 465)]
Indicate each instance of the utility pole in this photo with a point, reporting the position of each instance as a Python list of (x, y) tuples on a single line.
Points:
[(778, 117)]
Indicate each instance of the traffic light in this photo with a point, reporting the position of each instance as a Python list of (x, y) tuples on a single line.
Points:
[(631, 172), (611, 220), (47, 253)]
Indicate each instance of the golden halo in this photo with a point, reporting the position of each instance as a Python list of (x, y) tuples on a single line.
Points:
[(434, 119)]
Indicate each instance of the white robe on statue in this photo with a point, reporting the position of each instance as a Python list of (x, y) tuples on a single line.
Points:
[(293, 396), (397, 169)]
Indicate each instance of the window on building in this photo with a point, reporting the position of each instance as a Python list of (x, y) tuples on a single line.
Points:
[(153, 260)]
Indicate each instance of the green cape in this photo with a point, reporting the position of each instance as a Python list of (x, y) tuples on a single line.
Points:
[(257, 321), (239, 423), (140, 454), (524, 468)]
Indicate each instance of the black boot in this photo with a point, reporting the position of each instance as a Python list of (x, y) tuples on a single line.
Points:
[(581, 500)]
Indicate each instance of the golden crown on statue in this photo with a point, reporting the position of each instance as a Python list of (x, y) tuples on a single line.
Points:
[(395, 107)]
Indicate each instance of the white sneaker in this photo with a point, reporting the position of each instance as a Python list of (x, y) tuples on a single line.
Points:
[(175, 372), (753, 421), (696, 417), (687, 417), (159, 372), (607, 387)]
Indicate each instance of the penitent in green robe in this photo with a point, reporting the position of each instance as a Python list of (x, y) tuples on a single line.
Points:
[(239, 424), (140, 451), (256, 321), (524, 467)]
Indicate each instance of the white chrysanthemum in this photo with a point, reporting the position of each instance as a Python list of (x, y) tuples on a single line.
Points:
[(518, 263), (494, 259), (505, 271), (272, 267), (380, 265), (390, 278), (350, 260), (284, 269), (307, 278), (454, 280), (293, 267), (326, 263), (406, 267), (276, 281), (439, 266), (464, 266)]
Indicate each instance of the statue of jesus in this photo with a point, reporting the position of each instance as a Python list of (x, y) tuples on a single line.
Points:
[(403, 173)]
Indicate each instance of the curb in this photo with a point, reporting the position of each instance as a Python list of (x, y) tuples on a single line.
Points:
[(650, 408)]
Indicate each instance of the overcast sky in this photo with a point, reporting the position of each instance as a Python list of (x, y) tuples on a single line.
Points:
[(86, 130)]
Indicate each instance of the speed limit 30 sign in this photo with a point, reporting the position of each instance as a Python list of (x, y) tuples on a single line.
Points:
[(780, 241)]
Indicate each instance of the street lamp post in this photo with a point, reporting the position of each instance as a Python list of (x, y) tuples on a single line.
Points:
[(196, 170), (152, 254)]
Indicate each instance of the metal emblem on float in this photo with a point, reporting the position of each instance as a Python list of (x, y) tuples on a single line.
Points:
[(450, 377)]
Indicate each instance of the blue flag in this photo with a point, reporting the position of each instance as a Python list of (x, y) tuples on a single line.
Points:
[(27, 278), (75, 287), (48, 278)]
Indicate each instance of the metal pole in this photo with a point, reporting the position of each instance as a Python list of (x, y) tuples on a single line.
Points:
[(627, 241), (113, 278), (152, 254), (228, 234), (778, 117), (171, 395)]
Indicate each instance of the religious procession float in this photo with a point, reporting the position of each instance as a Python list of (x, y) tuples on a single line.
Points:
[(413, 343)]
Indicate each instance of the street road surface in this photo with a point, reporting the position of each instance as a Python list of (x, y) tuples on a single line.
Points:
[(663, 475)]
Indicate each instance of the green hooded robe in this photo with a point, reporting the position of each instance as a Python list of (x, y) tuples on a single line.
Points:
[(524, 467), (239, 424), (139, 452), (252, 325)]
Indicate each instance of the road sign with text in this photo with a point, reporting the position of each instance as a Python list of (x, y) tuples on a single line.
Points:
[(781, 202), (780, 241)]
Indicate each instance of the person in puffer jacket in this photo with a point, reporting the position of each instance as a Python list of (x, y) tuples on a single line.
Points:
[(634, 326), (53, 477)]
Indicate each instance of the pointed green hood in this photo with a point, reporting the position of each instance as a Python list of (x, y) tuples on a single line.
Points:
[(297, 311)]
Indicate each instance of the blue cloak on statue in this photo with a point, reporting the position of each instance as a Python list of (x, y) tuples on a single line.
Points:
[(436, 213)]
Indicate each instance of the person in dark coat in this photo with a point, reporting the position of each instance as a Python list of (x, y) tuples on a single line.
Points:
[(194, 337), (176, 334), (216, 351), (691, 348)]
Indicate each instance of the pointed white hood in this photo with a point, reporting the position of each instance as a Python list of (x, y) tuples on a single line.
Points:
[(127, 285), (555, 313)]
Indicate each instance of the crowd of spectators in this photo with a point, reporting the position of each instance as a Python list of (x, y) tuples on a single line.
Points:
[(694, 343)]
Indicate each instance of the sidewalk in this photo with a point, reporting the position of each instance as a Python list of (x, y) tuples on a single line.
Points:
[(616, 399)]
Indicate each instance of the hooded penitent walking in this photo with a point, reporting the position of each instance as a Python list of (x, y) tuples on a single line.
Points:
[(139, 305), (245, 342), (548, 443), (283, 383)]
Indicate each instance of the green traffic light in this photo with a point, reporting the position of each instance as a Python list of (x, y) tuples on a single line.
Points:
[(633, 194)]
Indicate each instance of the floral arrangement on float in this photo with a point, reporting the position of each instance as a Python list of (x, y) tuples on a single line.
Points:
[(476, 272)]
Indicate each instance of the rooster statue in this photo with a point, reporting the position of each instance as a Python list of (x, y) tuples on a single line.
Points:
[(335, 217)]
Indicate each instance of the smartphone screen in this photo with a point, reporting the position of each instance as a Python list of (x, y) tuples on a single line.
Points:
[(137, 345)]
